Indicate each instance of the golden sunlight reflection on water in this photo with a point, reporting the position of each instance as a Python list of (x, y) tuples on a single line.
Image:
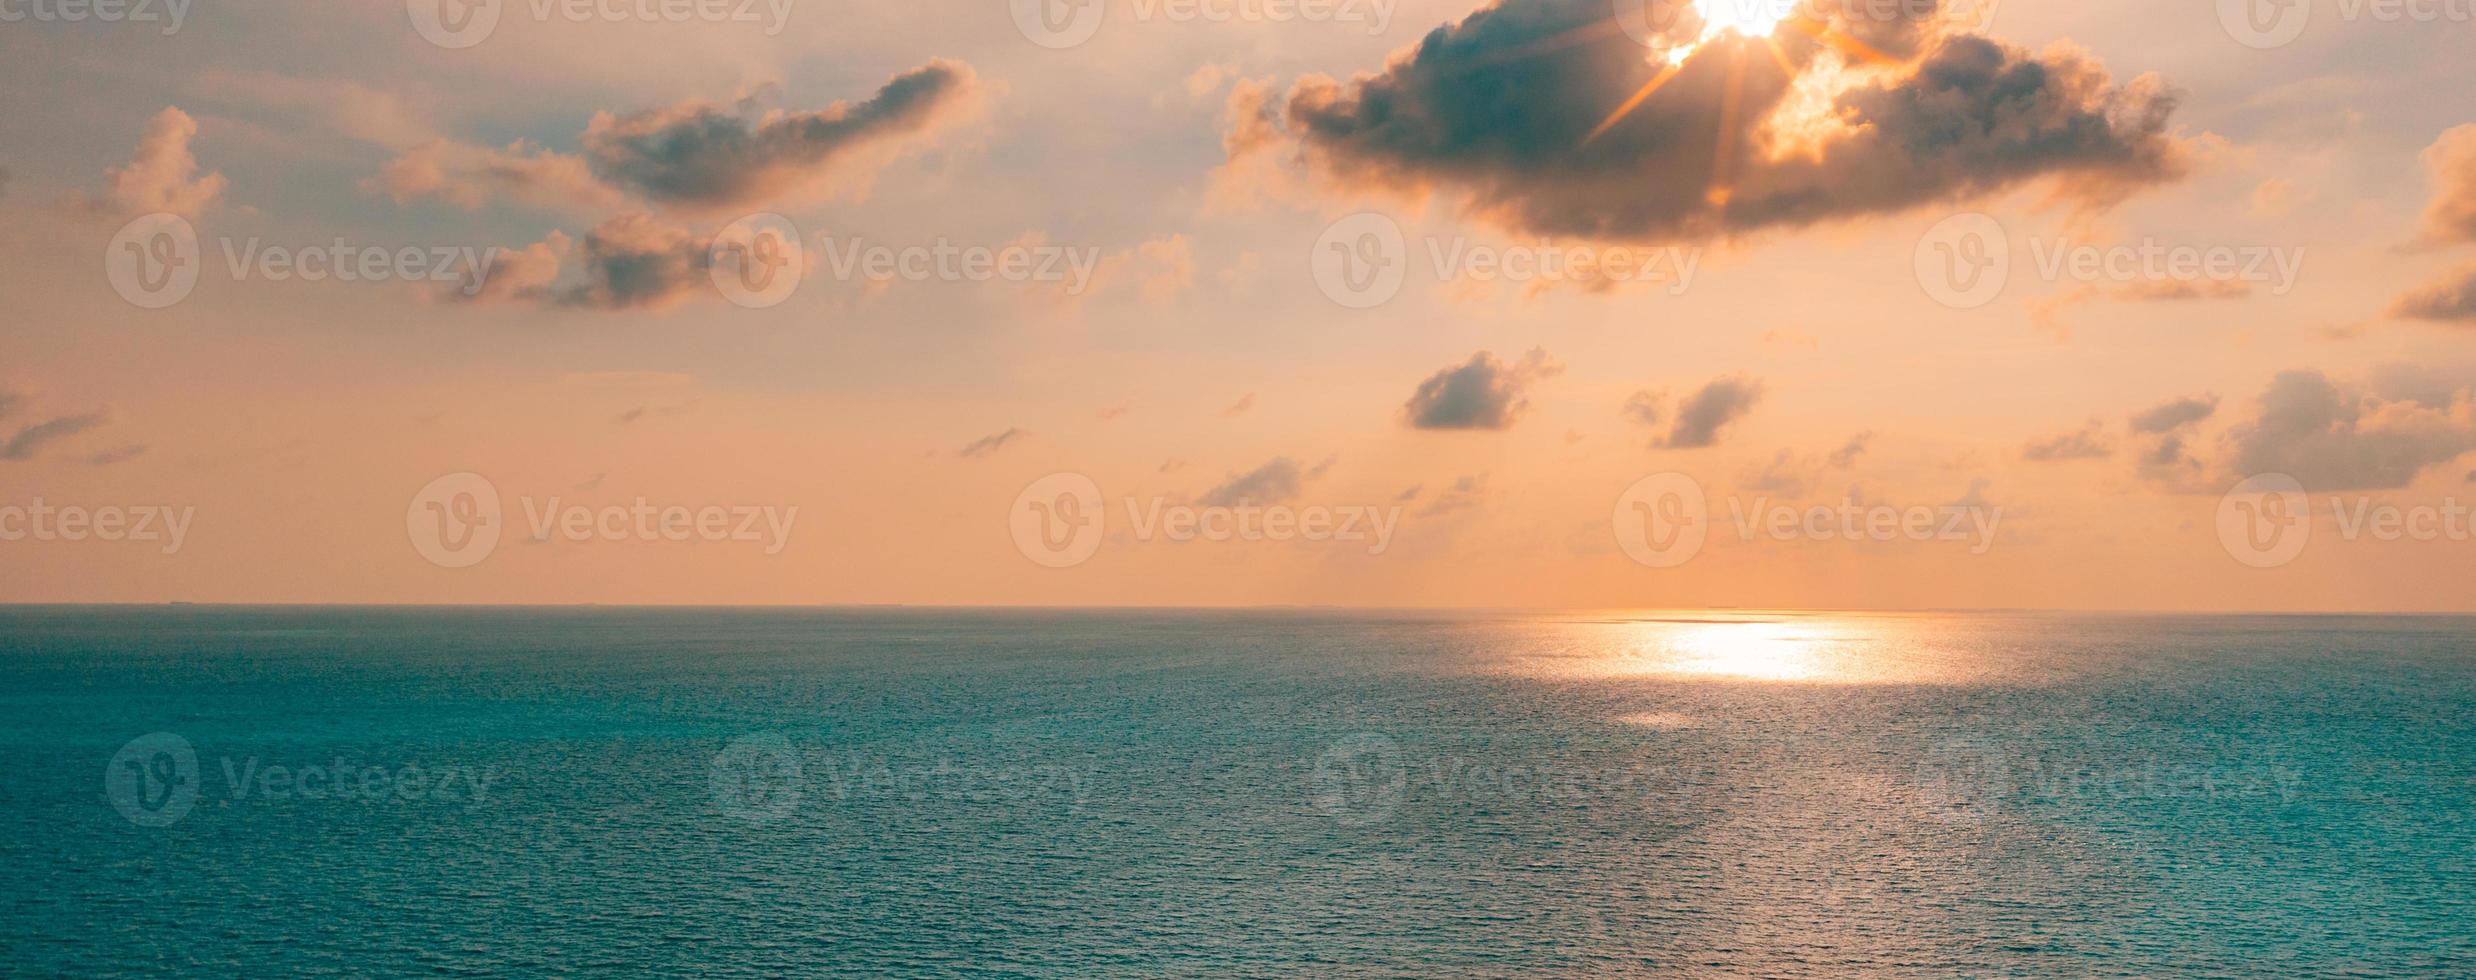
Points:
[(1743, 647)]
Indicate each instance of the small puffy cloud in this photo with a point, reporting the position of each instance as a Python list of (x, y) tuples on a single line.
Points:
[(2175, 415), (1846, 456), (1543, 117), (703, 154), (2087, 442), (1791, 475), (1271, 483), (1244, 404), (631, 262), (162, 177), (1482, 393), (1466, 492), (2451, 299), (2334, 438), (31, 439), (1701, 416), (990, 443), (2450, 163)]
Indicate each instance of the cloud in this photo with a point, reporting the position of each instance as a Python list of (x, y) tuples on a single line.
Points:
[(2451, 299), (1482, 393), (1519, 111), (1791, 475), (1160, 268), (2175, 415), (1703, 414), (1465, 493), (111, 457), (2333, 438), (2088, 442), (470, 176), (163, 177), (990, 443), (703, 154), (2450, 164), (1270, 483), (1242, 406), (631, 262), (31, 439)]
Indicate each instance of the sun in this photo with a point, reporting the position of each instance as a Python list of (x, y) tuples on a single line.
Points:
[(1745, 18)]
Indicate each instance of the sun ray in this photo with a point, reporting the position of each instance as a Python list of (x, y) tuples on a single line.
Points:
[(1666, 72), (1731, 103)]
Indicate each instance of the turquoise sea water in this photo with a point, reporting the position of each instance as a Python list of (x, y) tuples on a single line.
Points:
[(209, 790)]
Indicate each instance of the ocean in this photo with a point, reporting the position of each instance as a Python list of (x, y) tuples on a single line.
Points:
[(209, 790)]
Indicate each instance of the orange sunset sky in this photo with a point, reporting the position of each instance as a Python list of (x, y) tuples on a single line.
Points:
[(2224, 247)]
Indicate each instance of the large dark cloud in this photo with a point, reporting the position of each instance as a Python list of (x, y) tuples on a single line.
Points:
[(2332, 438), (1484, 393), (1500, 108), (704, 154)]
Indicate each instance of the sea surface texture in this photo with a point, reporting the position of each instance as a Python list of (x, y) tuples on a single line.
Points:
[(235, 791)]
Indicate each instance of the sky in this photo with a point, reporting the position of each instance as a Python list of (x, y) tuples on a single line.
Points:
[(1572, 304)]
